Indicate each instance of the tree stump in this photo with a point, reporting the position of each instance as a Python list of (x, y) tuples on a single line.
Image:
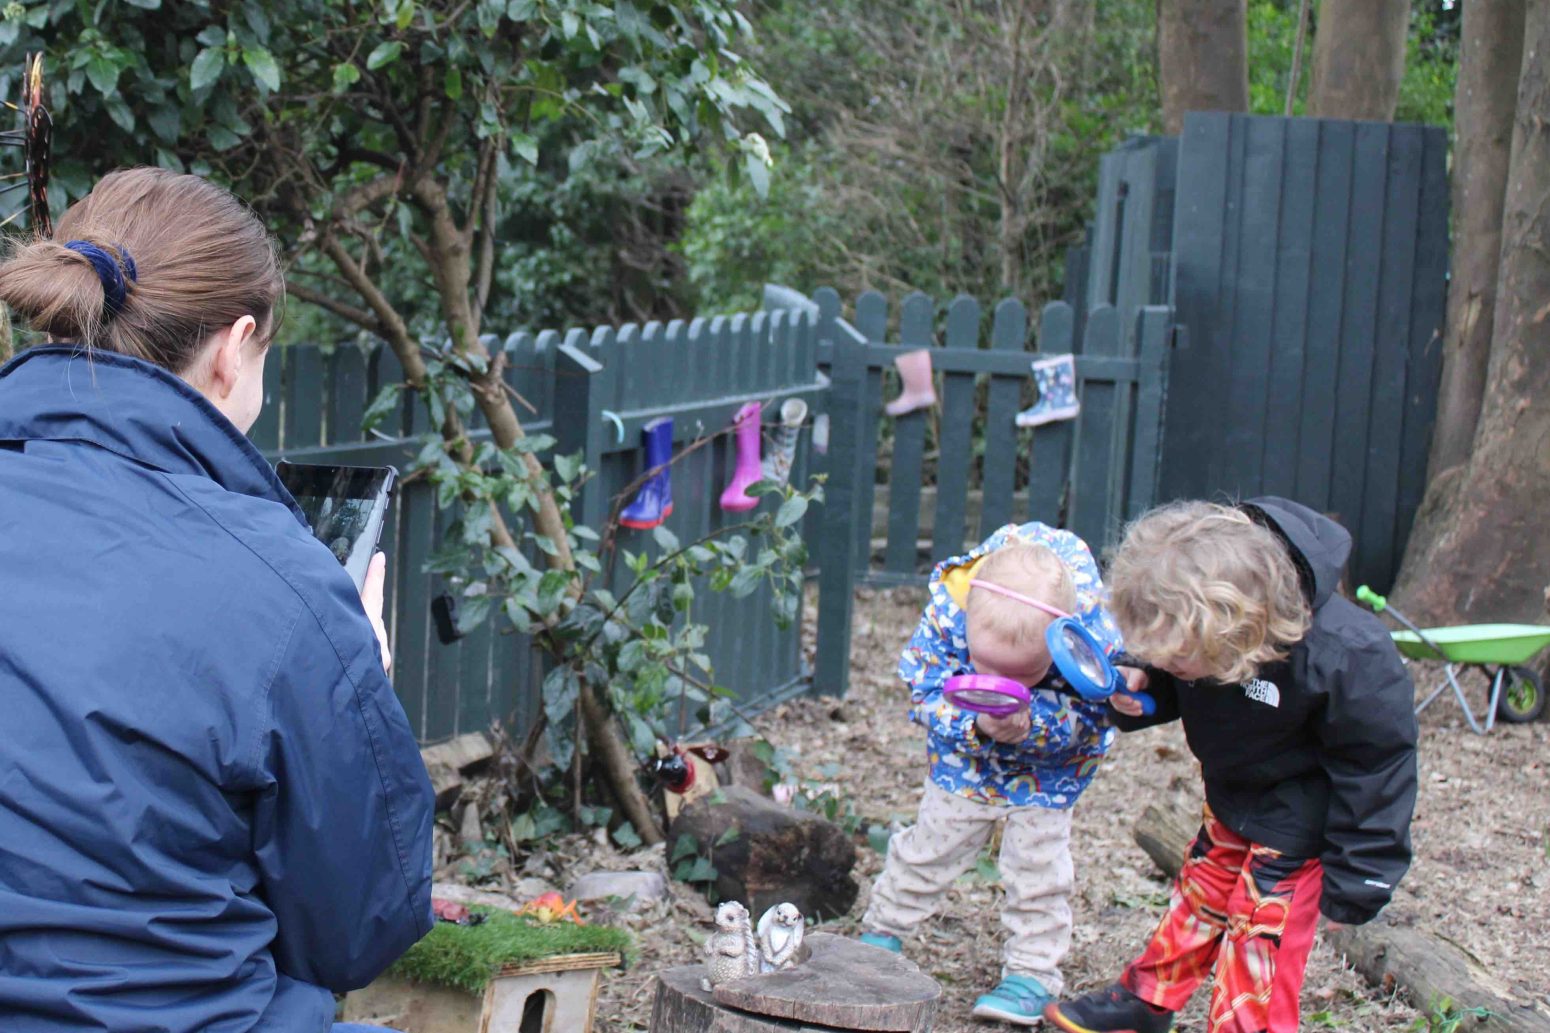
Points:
[(766, 854), (844, 985)]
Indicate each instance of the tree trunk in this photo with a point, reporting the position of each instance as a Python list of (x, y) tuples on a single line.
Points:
[(1488, 558), (1202, 58), (1358, 58), (1491, 53)]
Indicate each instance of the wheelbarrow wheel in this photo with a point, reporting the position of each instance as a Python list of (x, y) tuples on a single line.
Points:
[(1523, 697)]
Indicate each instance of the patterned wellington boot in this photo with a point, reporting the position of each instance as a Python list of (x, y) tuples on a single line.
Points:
[(783, 443), (1055, 377)]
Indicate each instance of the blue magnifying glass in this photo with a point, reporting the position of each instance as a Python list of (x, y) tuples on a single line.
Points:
[(1081, 661)]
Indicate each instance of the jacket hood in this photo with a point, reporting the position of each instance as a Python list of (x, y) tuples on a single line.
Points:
[(1319, 546), (134, 409)]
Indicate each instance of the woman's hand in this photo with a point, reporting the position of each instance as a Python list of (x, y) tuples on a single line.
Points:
[(1126, 702), (371, 599), (1011, 729)]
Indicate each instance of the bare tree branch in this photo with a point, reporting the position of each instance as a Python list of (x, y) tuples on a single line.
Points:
[(359, 316)]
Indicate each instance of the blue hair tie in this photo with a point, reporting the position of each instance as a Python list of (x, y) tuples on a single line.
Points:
[(109, 270)]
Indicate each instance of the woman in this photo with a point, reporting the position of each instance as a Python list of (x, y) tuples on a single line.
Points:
[(212, 811)]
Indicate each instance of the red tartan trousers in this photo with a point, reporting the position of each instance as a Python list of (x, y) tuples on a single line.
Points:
[(1246, 909)]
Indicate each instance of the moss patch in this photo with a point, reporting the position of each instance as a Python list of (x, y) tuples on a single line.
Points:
[(466, 956)]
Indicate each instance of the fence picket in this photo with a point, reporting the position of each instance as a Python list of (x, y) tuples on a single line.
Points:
[(956, 446), (304, 401), (1050, 451), (347, 394), (1093, 505), (872, 323), (1009, 332), (906, 473)]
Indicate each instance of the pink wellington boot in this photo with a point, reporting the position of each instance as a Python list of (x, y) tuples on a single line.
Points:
[(749, 469), (918, 392)]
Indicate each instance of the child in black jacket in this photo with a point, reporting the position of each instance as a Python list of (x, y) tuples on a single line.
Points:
[(1297, 706)]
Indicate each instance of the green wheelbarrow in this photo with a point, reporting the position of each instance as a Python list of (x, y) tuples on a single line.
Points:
[(1516, 693)]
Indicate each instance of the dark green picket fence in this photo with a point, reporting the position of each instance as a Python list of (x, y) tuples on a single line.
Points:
[(593, 392), (1089, 474)]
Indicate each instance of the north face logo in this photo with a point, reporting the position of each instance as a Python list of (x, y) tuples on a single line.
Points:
[(1262, 691)]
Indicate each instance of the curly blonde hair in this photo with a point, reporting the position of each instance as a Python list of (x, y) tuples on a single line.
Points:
[(1031, 569), (1205, 584)]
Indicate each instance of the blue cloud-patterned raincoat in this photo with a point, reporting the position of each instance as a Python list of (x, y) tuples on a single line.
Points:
[(1069, 736)]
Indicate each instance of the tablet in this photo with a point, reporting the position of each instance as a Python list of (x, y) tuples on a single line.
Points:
[(345, 506)]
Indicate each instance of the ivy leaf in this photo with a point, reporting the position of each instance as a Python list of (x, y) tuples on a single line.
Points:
[(345, 76), (102, 71), (453, 83), (207, 68), (791, 511), (384, 55), (684, 846), (261, 64), (568, 467), (524, 146), (386, 402)]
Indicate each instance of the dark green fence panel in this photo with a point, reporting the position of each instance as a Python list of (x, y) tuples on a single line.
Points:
[(594, 392), (1089, 468), (1309, 268)]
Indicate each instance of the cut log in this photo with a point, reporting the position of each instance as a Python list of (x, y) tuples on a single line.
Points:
[(1387, 951), (843, 985), (765, 854)]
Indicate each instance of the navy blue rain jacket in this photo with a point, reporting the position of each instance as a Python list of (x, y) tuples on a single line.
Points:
[(212, 809)]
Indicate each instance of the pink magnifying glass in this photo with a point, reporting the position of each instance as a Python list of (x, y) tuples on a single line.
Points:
[(986, 694)]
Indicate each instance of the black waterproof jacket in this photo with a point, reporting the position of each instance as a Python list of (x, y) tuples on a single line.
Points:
[(1315, 755)]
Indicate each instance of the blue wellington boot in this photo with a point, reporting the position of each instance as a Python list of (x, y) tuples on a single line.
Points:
[(653, 504)]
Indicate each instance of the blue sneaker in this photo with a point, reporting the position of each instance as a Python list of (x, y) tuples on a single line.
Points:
[(1019, 1000), (886, 941)]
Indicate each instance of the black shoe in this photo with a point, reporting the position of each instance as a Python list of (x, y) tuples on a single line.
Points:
[(1114, 1010)]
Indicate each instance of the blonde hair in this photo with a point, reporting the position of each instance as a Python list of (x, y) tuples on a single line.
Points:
[(1033, 570), (1204, 583), (201, 261)]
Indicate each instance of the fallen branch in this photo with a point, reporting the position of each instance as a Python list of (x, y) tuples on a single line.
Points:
[(1388, 951)]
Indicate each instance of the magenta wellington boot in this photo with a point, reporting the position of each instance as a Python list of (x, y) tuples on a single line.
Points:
[(736, 498)]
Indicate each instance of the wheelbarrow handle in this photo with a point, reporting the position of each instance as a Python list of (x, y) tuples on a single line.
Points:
[(1380, 604)]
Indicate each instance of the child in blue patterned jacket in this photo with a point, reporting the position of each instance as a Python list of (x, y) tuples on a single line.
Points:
[(987, 613)]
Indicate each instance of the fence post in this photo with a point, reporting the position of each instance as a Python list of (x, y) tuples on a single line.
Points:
[(1154, 324), (578, 423), (837, 559)]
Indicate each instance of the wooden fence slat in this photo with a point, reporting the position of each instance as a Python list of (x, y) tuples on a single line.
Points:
[(1364, 260), (1008, 333), (1289, 332), (836, 592), (1199, 231), (444, 671), (1093, 500), (1425, 345), (1154, 325), (957, 443), (1050, 450), (347, 394), (1385, 416), (1252, 290), (906, 472), (872, 323), (1326, 311), (305, 396), (417, 526), (265, 433)]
